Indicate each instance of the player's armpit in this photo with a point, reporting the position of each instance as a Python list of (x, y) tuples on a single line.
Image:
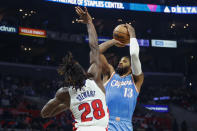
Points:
[(107, 69), (139, 81)]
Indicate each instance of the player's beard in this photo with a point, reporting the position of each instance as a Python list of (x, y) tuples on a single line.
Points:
[(121, 71)]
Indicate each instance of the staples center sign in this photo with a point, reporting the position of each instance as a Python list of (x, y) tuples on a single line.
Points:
[(32, 32)]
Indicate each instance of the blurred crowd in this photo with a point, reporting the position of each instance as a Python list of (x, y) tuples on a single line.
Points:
[(184, 97), (30, 120), (18, 111), (21, 98)]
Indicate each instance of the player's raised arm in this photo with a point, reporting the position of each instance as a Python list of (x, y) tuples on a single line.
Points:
[(135, 61), (96, 67), (107, 69), (58, 104), (105, 45), (93, 40)]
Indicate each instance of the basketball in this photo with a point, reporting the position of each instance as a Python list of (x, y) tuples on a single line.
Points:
[(121, 34)]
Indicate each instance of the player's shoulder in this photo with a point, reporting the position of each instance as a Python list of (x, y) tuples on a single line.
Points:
[(62, 93), (116, 75), (63, 89), (90, 82)]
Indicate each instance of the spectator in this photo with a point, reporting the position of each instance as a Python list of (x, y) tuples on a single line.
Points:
[(175, 126), (184, 126)]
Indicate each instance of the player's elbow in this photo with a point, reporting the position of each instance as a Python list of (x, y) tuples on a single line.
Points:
[(44, 114), (141, 77), (94, 46), (139, 80)]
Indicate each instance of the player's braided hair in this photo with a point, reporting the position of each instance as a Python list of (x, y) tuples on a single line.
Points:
[(72, 72)]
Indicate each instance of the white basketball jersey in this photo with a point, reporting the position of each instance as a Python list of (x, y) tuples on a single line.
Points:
[(89, 106)]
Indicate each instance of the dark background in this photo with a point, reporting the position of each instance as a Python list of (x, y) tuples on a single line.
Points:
[(28, 64)]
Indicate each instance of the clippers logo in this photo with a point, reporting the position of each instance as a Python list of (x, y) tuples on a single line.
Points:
[(118, 84)]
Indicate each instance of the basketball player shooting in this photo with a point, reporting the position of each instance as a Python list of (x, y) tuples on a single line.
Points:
[(121, 89), (85, 93)]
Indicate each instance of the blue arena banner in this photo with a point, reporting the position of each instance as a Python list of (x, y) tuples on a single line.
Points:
[(94, 3), (100, 39), (112, 5), (145, 7), (131, 6), (164, 43), (161, 98), (157, 108), (141, 42)]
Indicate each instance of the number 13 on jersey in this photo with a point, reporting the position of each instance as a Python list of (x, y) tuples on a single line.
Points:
[(128, 92), (96, 108)]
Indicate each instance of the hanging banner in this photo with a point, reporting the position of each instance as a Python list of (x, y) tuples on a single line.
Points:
[(131, 6), (32, 32)]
